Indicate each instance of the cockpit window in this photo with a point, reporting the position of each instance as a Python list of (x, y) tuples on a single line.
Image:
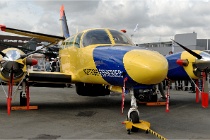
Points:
[(96, 37), (120, 38)]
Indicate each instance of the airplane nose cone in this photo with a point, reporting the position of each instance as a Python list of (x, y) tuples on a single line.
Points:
[(145, 66)]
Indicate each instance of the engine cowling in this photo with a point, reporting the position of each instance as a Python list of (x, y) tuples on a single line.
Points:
[(85, 89)]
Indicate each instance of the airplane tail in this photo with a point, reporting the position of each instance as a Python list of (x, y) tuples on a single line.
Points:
[(64, 26)]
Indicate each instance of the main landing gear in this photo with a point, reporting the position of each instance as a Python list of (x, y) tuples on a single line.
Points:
[(24, 95)]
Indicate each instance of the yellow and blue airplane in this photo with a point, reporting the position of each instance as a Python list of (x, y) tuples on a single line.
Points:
[(102, 60), (97, 61)]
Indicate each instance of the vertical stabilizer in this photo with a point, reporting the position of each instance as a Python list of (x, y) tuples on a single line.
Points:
[(64, 26)]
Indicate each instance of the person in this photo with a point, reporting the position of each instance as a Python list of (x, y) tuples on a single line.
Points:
[(47, 65), (162, 92), (57, 65), (170, 52), (53, 65), (186, 85), (178, 85)]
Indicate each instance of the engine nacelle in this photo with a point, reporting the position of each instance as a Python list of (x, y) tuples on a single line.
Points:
[(85, 89)]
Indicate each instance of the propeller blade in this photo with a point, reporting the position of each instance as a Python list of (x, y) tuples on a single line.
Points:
[(3, 54), (188, 50)]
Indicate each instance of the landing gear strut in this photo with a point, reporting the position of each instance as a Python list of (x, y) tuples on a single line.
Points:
[(23, 98), (133, 113)]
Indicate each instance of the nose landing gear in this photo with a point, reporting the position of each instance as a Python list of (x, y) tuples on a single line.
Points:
[(133, 123), (133, 113)]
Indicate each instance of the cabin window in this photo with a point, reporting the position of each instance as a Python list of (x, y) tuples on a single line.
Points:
[(120, 38), (63, 45), (77, 40), (69, 42), (96, 37)]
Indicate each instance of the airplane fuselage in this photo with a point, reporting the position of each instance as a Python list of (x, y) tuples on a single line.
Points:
[(109, 63)]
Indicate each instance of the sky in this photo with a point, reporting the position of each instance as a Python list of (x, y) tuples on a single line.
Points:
[(157, 20)]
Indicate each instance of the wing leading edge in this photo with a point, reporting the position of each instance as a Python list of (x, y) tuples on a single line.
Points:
[(45, 37)]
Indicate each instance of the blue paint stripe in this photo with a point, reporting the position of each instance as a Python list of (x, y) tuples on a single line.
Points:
[(109, 62)]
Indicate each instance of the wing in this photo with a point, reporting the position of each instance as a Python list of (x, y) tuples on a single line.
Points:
[(45, 37), (49, 77)]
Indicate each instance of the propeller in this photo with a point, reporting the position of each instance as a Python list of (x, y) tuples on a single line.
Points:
[(15, 61), (188, 50)]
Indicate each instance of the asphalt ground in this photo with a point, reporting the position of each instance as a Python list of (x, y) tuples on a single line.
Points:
[(63, 114)]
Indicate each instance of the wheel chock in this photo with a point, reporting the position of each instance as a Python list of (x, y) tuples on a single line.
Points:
[(24, 108), (143, 125), (153, 103)]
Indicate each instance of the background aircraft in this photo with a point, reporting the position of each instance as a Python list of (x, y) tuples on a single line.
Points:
[(99, 61), (188, 64)]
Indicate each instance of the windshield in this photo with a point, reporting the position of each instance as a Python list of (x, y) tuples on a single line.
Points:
[(96, 37), (120, 38)]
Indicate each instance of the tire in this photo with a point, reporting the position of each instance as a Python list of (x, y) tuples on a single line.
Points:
[(154, 98), (134, 118)]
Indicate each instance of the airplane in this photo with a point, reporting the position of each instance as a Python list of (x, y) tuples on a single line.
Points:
[(98, 61)]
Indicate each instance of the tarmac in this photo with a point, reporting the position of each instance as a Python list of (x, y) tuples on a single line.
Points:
[(62, 114)]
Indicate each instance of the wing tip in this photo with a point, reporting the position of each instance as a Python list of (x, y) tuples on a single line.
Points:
[(2, 27)]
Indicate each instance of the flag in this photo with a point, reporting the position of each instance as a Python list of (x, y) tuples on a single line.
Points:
[(136, 28)]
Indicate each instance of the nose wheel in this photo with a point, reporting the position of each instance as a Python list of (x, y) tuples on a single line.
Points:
[(134, 118)]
